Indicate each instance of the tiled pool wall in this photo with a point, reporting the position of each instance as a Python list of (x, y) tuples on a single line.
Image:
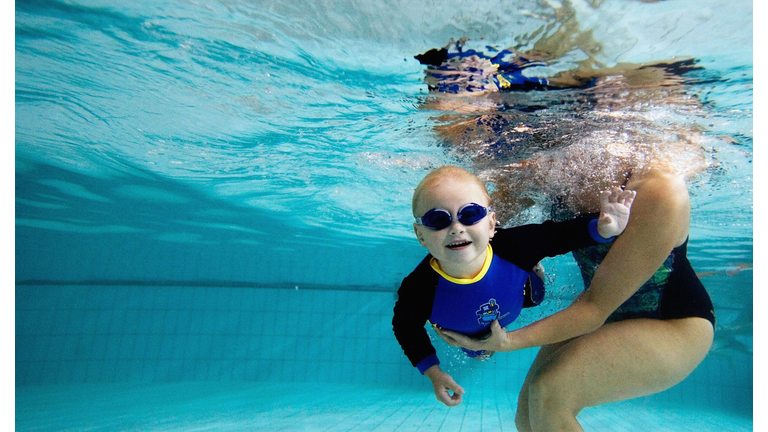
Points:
[(70, 334)]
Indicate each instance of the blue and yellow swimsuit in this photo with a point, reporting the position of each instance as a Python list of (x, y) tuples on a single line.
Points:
[(469, 306)]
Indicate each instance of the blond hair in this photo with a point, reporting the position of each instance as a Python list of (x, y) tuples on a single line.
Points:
[(452, 172)]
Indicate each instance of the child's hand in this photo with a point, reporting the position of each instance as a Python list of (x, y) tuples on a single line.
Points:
[(614, 211), (446, 389)]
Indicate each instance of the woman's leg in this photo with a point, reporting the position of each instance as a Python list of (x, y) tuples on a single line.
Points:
[(618, 361)]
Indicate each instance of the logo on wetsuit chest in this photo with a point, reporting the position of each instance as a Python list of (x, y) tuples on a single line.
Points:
[(487, 312)]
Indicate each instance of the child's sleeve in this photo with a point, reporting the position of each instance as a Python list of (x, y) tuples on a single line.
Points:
[(547, 239), (595, 234), (411, 312)]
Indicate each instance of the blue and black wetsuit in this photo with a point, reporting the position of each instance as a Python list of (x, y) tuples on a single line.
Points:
[(469, 306)]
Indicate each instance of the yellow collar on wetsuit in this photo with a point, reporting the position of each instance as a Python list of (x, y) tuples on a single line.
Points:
[(486, 264)]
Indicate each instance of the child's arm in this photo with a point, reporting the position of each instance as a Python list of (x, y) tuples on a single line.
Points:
[(614, 211), (551, 238), (410, 314)]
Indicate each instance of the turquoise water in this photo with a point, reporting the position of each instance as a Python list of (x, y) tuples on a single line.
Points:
[(220, 193)]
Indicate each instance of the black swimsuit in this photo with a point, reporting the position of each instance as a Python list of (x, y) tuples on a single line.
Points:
[(673, 292)]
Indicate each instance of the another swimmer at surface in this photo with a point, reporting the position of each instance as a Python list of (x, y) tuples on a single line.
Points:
[(479, 277)]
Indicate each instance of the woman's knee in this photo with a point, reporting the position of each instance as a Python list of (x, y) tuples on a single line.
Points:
[(522, 419), (539, 379), (548, 391)]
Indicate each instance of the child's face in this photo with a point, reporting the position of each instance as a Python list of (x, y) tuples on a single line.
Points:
[(459, 249)]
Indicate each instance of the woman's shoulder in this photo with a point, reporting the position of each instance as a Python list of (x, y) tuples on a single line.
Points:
[(663, 197), (663, 186)]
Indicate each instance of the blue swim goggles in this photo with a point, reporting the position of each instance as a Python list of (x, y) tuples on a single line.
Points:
[(438, 219)]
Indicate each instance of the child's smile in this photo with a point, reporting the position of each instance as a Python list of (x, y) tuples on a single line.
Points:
[(459, 249), (458, 245)]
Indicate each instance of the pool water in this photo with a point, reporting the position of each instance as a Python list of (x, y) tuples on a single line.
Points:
[(212, 210)]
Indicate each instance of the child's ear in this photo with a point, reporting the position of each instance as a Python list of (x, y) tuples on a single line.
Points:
[(417, 231), (492, 221)]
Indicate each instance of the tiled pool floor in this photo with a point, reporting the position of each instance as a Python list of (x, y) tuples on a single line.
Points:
[(314, 407)]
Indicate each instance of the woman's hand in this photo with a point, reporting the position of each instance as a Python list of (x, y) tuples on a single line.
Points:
[(497, 341)]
